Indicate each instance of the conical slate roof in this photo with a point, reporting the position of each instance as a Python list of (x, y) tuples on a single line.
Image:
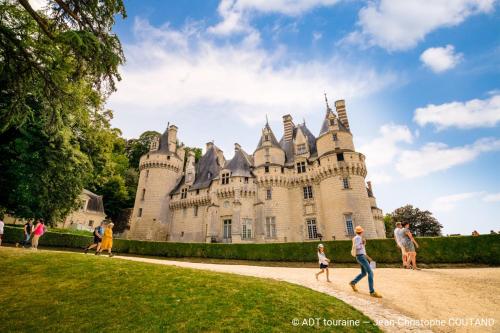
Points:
[(274, 142), (163, 146), (240, 165), (326, 124)]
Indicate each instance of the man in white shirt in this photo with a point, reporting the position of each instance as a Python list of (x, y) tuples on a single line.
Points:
[(398, 237), (1, 231)]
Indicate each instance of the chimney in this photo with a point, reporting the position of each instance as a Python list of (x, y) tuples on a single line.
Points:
[(237, 147), (288, 128), (172, 138), (340, 107)]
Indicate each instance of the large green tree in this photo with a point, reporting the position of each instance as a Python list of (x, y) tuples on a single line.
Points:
[(140, 146), (422, 223), (57, 67)]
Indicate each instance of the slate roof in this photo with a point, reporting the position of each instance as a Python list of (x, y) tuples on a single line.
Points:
[(207, 169), (326, 124), (240, 165), (274, 142), (288, 147), (95, 203), (163, 146)]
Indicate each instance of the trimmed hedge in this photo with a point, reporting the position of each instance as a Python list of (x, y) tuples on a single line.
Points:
[(484, 249)]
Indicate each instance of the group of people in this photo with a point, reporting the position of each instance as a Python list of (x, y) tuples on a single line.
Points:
[(103, 239), (404, 240), (32, 233)]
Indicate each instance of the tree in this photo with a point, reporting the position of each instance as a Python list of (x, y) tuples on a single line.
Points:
[(138, 147), (389, 226), (45, 54), (422, 223)]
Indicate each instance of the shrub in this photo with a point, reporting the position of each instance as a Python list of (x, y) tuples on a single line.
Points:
[(484, 249)]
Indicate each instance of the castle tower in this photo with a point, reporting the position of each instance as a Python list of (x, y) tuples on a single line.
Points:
[(160, 170), (344, 196)]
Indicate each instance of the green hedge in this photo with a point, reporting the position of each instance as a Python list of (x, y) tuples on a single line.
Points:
[(483, 249)]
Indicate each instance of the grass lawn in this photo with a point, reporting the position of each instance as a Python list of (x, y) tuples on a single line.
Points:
[(68, 292)]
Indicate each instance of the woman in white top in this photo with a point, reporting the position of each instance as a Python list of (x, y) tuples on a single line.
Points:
[(323, 262)]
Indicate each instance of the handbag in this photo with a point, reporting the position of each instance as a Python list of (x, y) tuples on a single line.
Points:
[(353, 249)]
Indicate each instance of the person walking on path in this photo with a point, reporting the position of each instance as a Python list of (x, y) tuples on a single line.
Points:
[(1, 231), (358, 244), (28, 227), (398, 237), (409, 244), (38, 231), (107, 239), (323, 262), (98, 234)]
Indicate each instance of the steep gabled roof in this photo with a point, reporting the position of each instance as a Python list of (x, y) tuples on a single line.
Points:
[(240, 165), (288, 147), (274, 142), (207, 169), (326, 123)]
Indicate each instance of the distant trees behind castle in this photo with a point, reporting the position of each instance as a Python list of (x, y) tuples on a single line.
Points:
[(422, 223)]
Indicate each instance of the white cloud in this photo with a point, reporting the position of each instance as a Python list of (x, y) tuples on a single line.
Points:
[(400, 25), (434, 157), (317, 36), (383, 149), (440, 59), (172, 71), (494, 197), (449, 202), (236, 14), (471, 114), (38, 4)]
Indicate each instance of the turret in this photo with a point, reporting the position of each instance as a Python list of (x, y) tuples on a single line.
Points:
[(268, 150)]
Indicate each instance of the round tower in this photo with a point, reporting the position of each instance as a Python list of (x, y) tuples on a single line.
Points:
[(160, 170), (342, 173)]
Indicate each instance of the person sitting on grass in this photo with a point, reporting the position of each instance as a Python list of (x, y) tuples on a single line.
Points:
[(98, 233), (409, 244), (28, 226), (323, 262), (358, 244), (107, 240)]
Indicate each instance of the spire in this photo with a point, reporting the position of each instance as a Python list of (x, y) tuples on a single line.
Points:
[(328, 109), (267, 121)]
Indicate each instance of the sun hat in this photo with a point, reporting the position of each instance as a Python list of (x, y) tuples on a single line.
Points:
[(359, 229), (320, 245)]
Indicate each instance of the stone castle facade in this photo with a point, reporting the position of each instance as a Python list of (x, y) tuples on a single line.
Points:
[(297, 189)]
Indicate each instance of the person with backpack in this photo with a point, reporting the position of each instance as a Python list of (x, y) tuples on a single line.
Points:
[(358, 250), (98, 233), (38, 231)]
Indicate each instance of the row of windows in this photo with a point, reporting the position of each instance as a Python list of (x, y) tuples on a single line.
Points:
[(308, 192)]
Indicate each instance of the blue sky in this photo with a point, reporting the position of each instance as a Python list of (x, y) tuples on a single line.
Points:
[(421, 80)]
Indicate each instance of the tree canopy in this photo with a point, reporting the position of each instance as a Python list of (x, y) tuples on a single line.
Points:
[(422, 223)]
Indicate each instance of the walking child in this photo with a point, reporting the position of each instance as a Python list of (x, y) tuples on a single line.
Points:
[(323, 262)]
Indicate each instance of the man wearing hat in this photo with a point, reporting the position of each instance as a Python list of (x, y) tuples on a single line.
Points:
[(358, 244)]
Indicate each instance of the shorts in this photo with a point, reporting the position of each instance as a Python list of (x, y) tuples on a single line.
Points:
[(97, 240), (323, 266)]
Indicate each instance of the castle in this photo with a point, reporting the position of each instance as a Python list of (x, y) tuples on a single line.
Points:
[(297, 189)]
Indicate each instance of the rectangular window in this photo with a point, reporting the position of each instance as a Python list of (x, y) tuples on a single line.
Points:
[(271, 227), (312, 229), (91, 223), (269, 194), (225, 178), (184, 193), (266, 169), (332, 122), (195, 213), (308, 192), (143, 194), (301, 167), (246, 229), (197, 192), (349, 228), (246, 180), (282, 170), (345, 182), (139, 213), (334, 136), (301, 149), (266, 137), (340, 157), (227, 229)]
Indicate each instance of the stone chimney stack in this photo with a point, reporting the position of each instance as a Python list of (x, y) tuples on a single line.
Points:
[(288, 128), (340, 107), (172, 138)]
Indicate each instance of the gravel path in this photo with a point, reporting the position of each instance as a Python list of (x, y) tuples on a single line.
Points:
[(453, 298)]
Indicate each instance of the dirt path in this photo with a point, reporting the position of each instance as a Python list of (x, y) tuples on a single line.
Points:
[(449, 297)]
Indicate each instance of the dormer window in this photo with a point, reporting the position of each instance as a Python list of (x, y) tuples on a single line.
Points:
[(332, 122), (225, 178), (209, 175), (334, 137), (301, 149), (184, 193), (266, 137)]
